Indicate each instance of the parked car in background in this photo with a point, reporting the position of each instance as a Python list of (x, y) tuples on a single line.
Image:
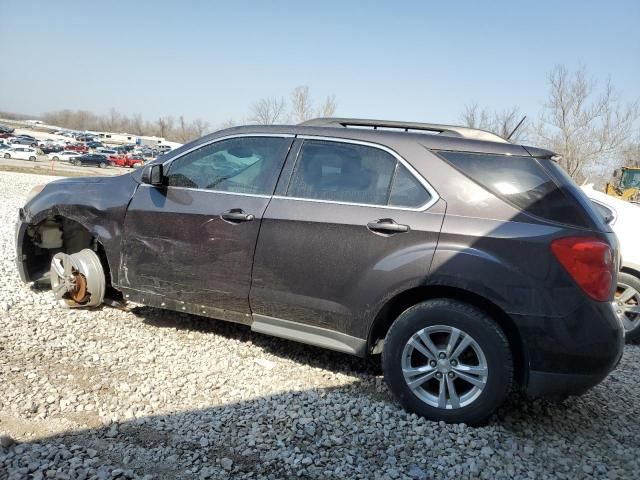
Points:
[(25, 140), (452, 255), (21, 152), (50, 148), (124, 148), (64, 155), (6, 135), (94, 159), (78, 147), (624, 218), (95, 144), (126, 161), (6, 129)]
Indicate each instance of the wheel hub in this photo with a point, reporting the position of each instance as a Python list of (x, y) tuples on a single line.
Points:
[(444, 367), (77, 280), (627, 306)]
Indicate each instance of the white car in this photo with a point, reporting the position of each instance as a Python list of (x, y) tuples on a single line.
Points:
[(624, 218), (64, 155), (21, 152)]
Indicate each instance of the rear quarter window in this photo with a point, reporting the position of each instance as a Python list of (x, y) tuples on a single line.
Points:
[(522, 182)]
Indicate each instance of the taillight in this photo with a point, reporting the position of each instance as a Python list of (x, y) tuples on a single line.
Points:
[(590, 263)]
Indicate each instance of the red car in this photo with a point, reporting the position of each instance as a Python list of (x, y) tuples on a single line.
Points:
[(77, 147), (125, 161)]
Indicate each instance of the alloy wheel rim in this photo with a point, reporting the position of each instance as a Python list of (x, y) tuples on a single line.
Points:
[(627, 305), (444, 367)]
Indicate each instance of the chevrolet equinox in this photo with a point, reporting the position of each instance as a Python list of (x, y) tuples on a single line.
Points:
[(467, 263)]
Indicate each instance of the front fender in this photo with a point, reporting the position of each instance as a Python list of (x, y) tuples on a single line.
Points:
[(98, 204)]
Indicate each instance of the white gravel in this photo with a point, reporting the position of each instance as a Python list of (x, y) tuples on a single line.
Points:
[(112, 394)]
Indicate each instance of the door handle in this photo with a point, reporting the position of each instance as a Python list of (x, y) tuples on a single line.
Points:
[(387, 226), (237, 215)]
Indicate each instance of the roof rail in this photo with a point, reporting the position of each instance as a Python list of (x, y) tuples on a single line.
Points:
[(451, 130)]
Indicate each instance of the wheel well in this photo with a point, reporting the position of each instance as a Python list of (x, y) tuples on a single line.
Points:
[(53, 235), (398, 304), (631, 271)]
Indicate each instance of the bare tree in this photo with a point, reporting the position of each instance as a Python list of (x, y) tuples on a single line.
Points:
[(328, 108), (501, 123), (199, 128), (301, 104), (585, 126), (137, 124), (229, 123), (268, 111), (164, 126)]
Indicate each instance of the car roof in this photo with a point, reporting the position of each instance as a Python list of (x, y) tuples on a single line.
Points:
[(387, 137)]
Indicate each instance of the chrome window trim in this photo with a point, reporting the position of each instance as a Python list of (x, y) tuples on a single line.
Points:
[(167, 163), (226, 137), (257, 195), (432, 192)]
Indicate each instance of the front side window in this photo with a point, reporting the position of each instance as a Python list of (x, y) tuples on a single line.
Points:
[(241, 165)]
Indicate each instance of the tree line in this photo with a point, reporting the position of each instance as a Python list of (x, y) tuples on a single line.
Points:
[(173, 129), (267, 111), (584, 121)]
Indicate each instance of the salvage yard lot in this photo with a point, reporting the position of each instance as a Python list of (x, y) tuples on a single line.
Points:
[(108, 393)]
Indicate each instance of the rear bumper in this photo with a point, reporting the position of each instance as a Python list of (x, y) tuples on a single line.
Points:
[(568, 355), (558, 385)]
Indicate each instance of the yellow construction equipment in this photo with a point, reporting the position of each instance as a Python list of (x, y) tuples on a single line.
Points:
[(628, 187)]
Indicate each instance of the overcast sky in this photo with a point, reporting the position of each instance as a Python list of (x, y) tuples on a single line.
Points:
[(420, 61)]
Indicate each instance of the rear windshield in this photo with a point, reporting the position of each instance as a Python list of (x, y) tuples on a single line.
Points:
[(520, 181)]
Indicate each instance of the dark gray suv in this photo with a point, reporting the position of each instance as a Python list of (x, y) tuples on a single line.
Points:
[(469, 263)]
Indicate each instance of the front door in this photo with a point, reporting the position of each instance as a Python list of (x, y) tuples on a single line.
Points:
[(192, 241)]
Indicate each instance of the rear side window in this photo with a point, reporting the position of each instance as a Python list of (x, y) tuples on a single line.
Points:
[(342, 172), (520, 181), (407, 191), (352, 173)]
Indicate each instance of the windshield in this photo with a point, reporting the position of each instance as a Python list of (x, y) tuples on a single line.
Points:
[(630, 179)]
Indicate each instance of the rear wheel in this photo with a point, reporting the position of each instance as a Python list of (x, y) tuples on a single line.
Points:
[(55, 159), (447, 360), (628, 305), (78, 163), (102, 165), (7, 155), (33, 159)]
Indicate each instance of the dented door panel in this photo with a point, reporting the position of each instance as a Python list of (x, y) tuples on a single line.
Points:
[(177, 245)]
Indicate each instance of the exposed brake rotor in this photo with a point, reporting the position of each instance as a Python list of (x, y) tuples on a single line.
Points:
[(78, 280)]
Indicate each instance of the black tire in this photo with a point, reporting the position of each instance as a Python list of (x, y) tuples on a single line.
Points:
[(55, 159), (7, 155), (626, 280), (78, 163), (472, 322), (33, 159), (102, 165)]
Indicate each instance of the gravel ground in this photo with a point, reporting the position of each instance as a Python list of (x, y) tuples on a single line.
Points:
[(114, 394)]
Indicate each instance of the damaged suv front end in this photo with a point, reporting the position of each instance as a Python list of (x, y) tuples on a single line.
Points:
[(68, 216)]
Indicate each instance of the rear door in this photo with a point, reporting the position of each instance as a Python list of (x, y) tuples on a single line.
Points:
[(354, 224), (193, 241)]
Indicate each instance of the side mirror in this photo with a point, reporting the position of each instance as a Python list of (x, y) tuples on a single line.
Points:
[(153, 175)]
